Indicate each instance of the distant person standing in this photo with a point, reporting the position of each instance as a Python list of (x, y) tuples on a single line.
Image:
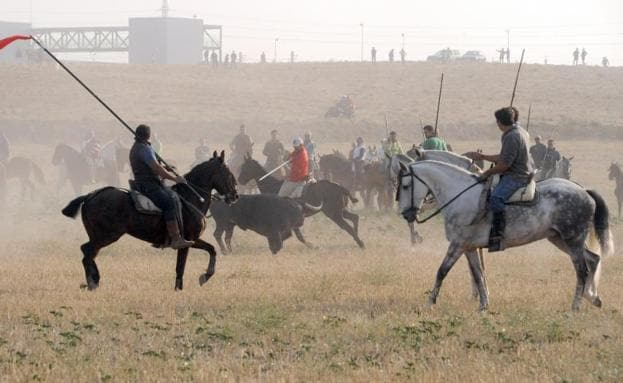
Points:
[(263, 58), (239, 57), (605, 62), (233, 58), (508, 55), (291, 56), (373, 54), (584, 54), (214, 59), (391, 56), (576, 56), (5, 148), (206, 57), (537, 152), (226, 62), (502, 53), (403, 55)]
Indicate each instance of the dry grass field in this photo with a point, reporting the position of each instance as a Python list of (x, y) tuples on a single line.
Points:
[(336, 313)]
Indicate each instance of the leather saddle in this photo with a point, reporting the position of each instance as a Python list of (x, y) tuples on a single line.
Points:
[(525, 194), (141, 202)]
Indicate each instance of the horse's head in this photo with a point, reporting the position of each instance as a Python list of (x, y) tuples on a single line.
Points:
[(250, 169), (214, 174), (395, 163), (58, 154), (410, 192)]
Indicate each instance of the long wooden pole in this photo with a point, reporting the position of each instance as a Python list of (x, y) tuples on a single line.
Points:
[(517, 77), (125, 124), (438, 103), (529, 112)]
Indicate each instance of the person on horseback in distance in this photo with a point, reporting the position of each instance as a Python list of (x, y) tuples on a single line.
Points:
[(515, 171), (148, 177), (299, 171)]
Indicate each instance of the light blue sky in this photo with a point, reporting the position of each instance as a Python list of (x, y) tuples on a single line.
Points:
[(330, 29)]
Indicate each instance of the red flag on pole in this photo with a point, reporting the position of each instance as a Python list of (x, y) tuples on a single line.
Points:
[(10, 39)]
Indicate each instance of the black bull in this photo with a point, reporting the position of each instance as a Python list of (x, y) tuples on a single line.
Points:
[(268, 215)]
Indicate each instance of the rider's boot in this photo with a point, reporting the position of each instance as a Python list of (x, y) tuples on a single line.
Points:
[(496, 236), (177, 242)]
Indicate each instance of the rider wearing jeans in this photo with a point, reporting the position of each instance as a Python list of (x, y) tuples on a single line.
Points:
[(148, 176), (515, 170)]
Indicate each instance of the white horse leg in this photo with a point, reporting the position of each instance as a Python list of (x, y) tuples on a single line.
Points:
[(481, 260), (452, 255), (478, 278)]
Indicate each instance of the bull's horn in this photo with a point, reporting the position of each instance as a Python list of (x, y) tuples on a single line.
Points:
[(313, 208)]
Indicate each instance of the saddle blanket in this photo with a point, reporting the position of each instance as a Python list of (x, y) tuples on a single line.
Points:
[(144, 205), (524, 194)]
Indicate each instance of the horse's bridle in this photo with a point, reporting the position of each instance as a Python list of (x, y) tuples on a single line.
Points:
[(402, 174)]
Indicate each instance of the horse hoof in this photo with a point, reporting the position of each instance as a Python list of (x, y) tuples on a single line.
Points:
[(361, 245), (92, 286), (483, 308), (597, 302), (203, 278)]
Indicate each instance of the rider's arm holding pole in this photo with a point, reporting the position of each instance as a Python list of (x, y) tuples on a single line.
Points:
[(164, 174)]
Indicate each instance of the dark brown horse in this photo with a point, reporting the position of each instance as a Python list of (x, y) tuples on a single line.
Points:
[(333, 197), (26, 171), (74, 168), (108, 214), (615, 173)]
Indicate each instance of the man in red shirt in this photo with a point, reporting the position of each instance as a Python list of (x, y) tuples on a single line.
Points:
[(299, 171)]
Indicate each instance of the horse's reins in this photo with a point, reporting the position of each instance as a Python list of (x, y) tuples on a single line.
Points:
[(439, 210)]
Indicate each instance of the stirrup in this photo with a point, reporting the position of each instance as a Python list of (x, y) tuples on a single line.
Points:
[(496, 243)]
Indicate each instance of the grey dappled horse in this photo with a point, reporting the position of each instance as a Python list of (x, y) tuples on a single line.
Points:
[(566, 214)]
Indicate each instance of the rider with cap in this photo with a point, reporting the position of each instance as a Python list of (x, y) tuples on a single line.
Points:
[(148, 177), (515, 170), (299, 171), (537, 152)]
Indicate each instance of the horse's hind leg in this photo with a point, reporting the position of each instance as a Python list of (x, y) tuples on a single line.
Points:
[(339, 220), (593, 263), (89, 250), (575, 249), (203, 245), (354, 218), (218, 235), (180, 266), (229, 233)]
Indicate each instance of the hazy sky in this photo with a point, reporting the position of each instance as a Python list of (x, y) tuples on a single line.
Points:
[(330, 29)]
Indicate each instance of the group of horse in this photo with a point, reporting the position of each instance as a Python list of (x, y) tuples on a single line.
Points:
[(574, 219)]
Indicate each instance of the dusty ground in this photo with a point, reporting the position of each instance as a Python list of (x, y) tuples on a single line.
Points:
[(332, 314)]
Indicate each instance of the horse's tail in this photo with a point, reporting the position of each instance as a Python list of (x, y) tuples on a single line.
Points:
[(601, 224), (38, 173), (71, 210)]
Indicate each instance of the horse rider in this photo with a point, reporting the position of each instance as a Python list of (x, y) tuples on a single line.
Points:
[(148, 180), (391, 147), (433, 142), (346, 106), (299, 171), (274, 152), (359, 157), (92, 152), (242, 144), (514, 168), (537, 152), (202, 152), (551, 158), (310, 146), (5, 148)]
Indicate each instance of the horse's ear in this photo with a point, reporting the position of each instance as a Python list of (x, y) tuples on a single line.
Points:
[(418, 153), (570, 158), (403, 167), (222, 156), (215, 154)]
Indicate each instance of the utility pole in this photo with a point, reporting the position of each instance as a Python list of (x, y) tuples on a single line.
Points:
[(361, 25), (508, 45), (275, 57)]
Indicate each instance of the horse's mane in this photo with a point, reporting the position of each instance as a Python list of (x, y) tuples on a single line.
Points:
[(448, 166), (202, 168)]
